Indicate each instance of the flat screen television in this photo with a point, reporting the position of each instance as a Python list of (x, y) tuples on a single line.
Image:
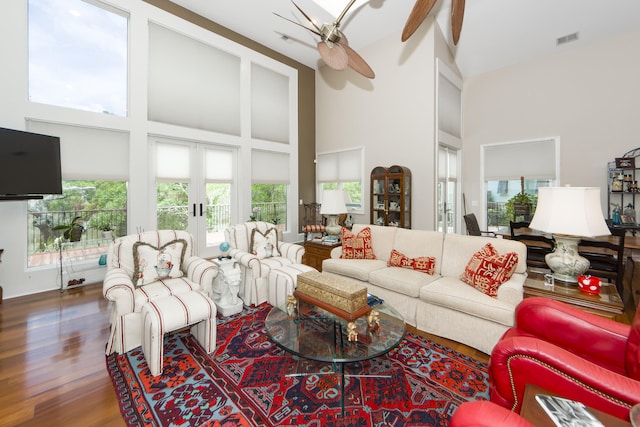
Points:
[(29, 165)]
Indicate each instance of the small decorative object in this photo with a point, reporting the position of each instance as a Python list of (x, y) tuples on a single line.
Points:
[(617, 184), (634, 415), (589, 284), (549, 281), (352, 331), (629, 215), (625, 162), (254, 214), (373, 319), (615, 215), (292, 303)]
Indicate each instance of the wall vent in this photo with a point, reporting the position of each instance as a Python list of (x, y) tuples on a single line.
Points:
[(566, 39)]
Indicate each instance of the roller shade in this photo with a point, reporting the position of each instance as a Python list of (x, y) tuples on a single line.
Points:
[(172, 162), (341, 166), (533, 160), (88, 153), (269, 167), (218, 165)]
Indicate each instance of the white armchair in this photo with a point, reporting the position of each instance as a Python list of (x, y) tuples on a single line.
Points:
[(255, 267), (130, 283)]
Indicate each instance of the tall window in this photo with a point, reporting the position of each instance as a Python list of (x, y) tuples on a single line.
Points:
[(515, 168), (78, 56), (269, 186), (341, 170)]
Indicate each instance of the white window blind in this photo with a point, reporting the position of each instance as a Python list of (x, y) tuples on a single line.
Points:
[(192, 83), (218, 165), (269, 167), (532, 159), (269, 105), (447, 164), (88, 153), (172, 162), (340, 166)]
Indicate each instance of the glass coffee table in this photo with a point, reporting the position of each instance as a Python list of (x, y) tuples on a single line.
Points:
[(313, 333)]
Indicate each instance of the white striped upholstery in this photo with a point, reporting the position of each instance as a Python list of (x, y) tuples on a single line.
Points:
[(171, 313), (254, 287), (282, 282), (128, 300)]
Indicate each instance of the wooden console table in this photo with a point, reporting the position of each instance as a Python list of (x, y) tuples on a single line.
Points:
[(315, 253), (606, 304)]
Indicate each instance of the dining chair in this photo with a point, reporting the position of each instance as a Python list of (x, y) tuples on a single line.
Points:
[(538, 245), (606, 257), (473, 229)]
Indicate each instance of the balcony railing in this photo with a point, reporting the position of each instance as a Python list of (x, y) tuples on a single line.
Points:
[(43, 239)]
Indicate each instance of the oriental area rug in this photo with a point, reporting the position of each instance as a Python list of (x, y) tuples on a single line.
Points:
[(245, 383)]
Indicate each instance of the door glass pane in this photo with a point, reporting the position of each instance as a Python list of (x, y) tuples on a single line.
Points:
[(218, 212), (172, 205), (269, 203)]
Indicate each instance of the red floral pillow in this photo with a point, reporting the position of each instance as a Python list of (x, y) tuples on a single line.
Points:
[(487, 269), (424, 264), (357, 247)]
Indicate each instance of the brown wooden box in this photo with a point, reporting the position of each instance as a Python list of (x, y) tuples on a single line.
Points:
[(344, 295)]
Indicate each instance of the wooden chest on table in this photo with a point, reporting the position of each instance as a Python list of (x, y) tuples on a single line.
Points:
[(338, 296)]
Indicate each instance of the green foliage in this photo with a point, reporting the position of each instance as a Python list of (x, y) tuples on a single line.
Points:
[(521, 199)]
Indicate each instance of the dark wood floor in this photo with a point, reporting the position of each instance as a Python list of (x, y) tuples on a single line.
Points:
[(52, 362)]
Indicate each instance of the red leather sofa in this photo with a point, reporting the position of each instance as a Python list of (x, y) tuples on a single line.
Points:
[(482, 413), (567, 351)]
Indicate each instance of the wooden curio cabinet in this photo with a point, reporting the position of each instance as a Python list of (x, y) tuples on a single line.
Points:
[(391, 196)]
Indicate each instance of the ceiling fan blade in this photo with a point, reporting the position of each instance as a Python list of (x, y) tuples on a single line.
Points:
[(357, 63), (299, 24), (419, 12), (335, 56), (308, 18), (457, 15)]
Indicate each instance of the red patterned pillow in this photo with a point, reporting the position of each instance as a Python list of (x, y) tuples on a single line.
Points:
[(425, 264), (357, 247), (487, 269)]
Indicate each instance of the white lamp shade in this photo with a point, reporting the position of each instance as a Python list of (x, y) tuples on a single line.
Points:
[(574, 211), (333, 202)]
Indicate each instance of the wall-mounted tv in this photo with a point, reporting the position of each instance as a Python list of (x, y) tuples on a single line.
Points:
[(29, 165)]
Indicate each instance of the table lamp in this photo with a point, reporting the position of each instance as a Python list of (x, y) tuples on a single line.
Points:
[(569, 213), (332, 206)]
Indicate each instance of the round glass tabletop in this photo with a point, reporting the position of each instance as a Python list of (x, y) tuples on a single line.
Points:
[(316, 334)]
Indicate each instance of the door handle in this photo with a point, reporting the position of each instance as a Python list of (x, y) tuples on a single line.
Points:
[(194, 209), (200, 209)]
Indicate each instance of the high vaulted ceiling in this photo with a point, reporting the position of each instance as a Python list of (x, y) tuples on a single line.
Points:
[(495, 33)]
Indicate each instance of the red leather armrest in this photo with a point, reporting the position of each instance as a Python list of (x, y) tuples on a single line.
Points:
[(518, 361), (595, 338), (481, 413)]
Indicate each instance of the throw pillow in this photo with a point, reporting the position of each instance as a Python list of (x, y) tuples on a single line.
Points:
[(264, 245), (153, 264), (357, 247), (487, 269), (424, 264)]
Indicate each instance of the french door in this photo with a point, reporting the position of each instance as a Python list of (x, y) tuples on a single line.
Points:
[(448, 208), (195, 190)]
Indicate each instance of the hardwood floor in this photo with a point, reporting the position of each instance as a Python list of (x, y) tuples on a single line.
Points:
[(52, 362)]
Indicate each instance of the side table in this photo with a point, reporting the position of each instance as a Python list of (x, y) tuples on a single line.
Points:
[(606, 304), (315, 253), (226, 286)]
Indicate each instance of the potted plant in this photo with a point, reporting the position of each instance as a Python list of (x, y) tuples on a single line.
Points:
[(107, 230), (72, 231), (522, 204)]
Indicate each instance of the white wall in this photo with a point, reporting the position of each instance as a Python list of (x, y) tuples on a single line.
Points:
[(392, 116), (587, 96)]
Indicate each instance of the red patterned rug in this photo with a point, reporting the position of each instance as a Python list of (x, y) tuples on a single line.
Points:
[(244, 383)]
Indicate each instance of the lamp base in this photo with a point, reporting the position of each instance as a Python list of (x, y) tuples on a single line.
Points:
[(333, 228), (565, 261)]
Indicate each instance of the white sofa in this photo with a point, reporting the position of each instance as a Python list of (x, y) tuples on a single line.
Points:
[(440, 304)]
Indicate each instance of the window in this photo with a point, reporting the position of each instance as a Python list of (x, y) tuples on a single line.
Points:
[(100, 206), (513, 168), (78, 56), (342, 170), (269, 186)]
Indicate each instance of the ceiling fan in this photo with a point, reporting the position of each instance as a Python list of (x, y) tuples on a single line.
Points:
[(333, 45), (422, 8)]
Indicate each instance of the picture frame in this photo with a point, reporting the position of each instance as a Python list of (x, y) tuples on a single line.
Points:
[(625, 162)]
